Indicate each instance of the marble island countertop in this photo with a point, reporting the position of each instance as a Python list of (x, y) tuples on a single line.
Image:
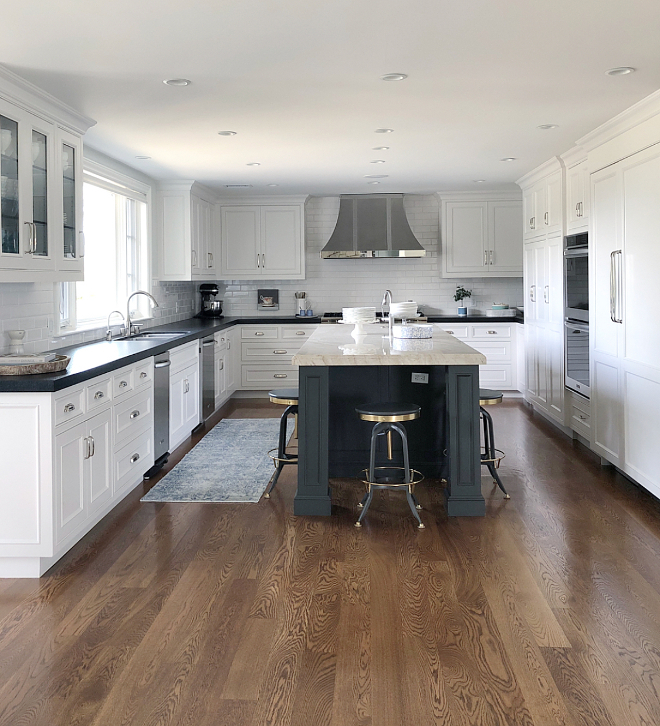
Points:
[(335, 345)]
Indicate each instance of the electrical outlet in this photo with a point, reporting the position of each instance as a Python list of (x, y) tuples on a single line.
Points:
[(420, 378)]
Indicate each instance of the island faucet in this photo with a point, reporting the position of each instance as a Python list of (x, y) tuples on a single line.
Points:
[(387, 300), (129, 326)]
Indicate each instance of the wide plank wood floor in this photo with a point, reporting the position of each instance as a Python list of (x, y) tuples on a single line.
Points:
[(544, 613)]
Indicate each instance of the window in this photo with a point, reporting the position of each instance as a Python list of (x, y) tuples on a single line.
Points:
[(115, 225)]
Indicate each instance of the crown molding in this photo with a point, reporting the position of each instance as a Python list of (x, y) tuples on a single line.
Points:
[(541, 171), (22, 93)]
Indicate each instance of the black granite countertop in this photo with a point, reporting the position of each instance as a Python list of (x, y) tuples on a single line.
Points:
[(95, 359), (519, 318)]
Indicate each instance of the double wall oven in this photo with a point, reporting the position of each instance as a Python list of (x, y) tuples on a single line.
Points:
[(576, 312)]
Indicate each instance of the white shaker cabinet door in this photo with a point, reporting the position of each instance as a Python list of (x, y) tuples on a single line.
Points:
[(241, 241), (465, 245), (281, 249), (71, 450), (100, 461), (505, 247)]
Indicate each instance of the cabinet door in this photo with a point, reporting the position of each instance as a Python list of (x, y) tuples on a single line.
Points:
[(231, 361), (281, 247), (191, 394), (177, 408), (504, 237), (554, 203), (99, 486), (553, 287), (198, 236), (241, 241), (71, 455), (577, 197), (71, 238), (465, 244), (220, 378)]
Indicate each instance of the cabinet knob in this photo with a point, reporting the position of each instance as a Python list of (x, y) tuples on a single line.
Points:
[(69, 407), (134, 414), (98, 395), (143, 375), (123, 384), (135, 458)]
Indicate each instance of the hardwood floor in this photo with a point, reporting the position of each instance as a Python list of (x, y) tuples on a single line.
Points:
[(545, 612)]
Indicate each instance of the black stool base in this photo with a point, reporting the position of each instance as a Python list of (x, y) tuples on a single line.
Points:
[(282, 458), (489, 456)]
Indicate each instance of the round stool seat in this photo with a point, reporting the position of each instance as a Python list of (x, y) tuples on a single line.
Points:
[(489, 397), (388, 412), (285, 396)]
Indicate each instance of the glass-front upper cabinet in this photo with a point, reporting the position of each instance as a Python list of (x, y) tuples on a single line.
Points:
[(26, 191), (73, 243)]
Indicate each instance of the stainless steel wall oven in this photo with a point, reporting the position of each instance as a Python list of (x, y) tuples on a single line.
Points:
[(576, 312)]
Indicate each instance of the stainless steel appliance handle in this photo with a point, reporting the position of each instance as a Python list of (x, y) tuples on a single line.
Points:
[(612, 286), (618, 297), (164, 364), (208, 343)]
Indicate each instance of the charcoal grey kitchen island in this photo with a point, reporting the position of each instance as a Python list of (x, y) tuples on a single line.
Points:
[(339, 369)]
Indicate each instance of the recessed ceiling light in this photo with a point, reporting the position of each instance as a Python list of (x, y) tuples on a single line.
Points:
[(373, 182), (226, 133), (508, 158), (377, 161), (381, 148), (375, 176), (177, 82), (547, 127), (479, 181), (254, 163), (621, 71), (238, 186), (273, 185), (394, 77), (143, 157), (384, 131)]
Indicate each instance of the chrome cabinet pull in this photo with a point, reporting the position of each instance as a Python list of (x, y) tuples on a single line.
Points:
[(545, 218), (546, 294), (280, 352), (69, 407), (31, 241), (134, 414), (194, 258), (451, 332), (491, 255), (87, 451), (532, 293), (280, 375), (99, 395), (143, 375), (123, 384), (258, 265), (92, 447), (186, 386), (492, 332), (532, 222), (300, 332), (485, 257), (209, 259), (135, 458), (577, 209), (221, 367), (259, 332)]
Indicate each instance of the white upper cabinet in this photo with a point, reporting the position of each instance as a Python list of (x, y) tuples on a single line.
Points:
[(481, 236), (263, 240), (577, 197), (41, 185), (542, 205), (186, 235)]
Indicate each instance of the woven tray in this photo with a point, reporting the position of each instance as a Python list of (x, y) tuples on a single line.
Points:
[(59, 363)]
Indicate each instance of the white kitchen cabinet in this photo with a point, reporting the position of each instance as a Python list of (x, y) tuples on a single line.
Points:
[(625, 345), (184, 392), (232, 362), (577, 197), (224, 366), (186, 235), (543, 203), (481, 236), (83, 474), (264, 241), (41, 190)]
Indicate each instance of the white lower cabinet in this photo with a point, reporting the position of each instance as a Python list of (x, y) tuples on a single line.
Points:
[(185, 409), (83, 474), (76, 454)]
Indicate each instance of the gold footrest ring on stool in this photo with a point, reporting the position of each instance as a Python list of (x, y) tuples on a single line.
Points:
[(496, 460), (278, 461), (416, 478)]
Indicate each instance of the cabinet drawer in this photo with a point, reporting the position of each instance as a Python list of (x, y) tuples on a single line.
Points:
[(183, 355), (98, 393), (458, 331), (497, 352), (496, 376), (269, 376), (298, 333), (488, 332), (144, 373), (268, 351), (132, 415), (263, 331), (69, 406), (581, 422), (123, 382), (220, 341), (133, 460)]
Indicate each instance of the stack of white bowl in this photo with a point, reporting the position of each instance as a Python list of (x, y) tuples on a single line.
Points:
[(358, 315), (403, 310)]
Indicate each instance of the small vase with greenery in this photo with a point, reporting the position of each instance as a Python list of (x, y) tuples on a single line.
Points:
[(460, 295)]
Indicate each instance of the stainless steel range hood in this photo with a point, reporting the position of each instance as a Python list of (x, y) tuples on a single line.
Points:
[(372, 225)]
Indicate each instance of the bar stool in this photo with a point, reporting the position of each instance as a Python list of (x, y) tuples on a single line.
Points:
[(286, 397), (489, 456), (387, 418)]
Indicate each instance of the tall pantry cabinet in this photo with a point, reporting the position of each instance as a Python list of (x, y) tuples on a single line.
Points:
[(543, 286), (625, 340)]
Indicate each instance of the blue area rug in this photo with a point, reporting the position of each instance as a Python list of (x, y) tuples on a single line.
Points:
[(230, 464)]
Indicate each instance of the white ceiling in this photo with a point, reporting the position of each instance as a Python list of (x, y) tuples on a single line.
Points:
[(299, 80)]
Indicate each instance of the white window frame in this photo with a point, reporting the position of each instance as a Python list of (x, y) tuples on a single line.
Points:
[(65, 292)]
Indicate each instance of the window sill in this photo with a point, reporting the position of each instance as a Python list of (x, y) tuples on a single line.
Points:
[(91, 327)]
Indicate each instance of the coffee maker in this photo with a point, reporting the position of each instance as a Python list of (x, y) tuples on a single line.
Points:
[(211, 308)]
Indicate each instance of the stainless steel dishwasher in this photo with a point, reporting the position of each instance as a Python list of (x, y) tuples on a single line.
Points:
[(208, 377), (161, 412)]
